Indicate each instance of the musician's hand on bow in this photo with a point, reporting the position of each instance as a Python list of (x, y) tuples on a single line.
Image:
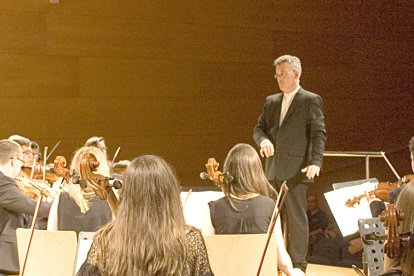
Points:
[(266, 148), (311, 171)]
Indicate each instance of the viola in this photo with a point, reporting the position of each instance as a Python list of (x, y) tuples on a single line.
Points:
[(381, 191), (34, 188), (213, 173), (101, 185)]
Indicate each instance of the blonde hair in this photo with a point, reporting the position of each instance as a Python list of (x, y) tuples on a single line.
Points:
[(244, 165), (79, 195), (148, 234), (405, 204)]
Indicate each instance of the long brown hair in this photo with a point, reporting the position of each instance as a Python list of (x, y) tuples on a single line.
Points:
[(244, 165), (405, 203), (148, 234)]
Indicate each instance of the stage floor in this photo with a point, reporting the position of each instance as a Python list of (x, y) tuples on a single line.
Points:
[(325, 270)]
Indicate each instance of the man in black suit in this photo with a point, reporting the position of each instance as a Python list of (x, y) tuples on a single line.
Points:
[(291, 135), (13, 204)]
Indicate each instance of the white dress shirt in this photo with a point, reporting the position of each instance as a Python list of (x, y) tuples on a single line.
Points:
[(286, 102)]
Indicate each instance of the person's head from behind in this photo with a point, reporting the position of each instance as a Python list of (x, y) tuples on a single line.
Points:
[(97, 142), (26, 146), (11, 158), (411, 147), (81, 195), (149, 228), (244, 165)]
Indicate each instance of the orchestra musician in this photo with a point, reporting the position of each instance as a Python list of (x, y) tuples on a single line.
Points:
[(247, 207), (404, 264), (97, 142), (149, 235), (26, 145), (78, 208), (13, 205)]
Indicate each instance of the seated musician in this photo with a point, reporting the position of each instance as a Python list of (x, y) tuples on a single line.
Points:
[(247, 207), (36, 151), (404, 264), (97, 142), (26, 145), (78, 208), (149, 235), (13, 205)]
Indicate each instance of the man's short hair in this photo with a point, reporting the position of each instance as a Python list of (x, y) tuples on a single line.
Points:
[(22, 141), (8, 149), (292, 60), (411, 146)]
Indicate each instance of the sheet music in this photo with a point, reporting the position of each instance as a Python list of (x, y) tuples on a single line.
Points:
[(346, 217)]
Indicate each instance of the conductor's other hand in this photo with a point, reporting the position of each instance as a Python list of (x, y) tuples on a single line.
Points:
[(266, 148), (311, 171)]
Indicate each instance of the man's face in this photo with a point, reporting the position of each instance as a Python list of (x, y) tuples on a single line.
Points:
[(286, 77), (101, 145), (17, 164), (27, 156)]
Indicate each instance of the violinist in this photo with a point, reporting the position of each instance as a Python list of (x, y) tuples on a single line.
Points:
[(149, 235), (78, 208), (36, 151), (404, 264), (248, 205), (13, 205), (26, 148), (376, 205)]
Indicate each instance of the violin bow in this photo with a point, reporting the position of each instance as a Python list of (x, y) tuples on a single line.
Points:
[(389, 164), (44, 164), (32, 228), (50, 153), (186, 198), (279, 204), (116, 154)]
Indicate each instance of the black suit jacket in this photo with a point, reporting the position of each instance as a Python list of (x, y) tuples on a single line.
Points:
[(13, 204), (299, 141)]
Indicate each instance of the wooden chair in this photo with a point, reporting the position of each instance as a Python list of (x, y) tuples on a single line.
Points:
[(241, 254)]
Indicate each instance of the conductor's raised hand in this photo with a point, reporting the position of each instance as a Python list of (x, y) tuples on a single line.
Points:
[(266, 148), (311, 171)]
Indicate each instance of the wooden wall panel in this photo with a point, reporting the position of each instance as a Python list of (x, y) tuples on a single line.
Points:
[(38, 76), (187, 80)]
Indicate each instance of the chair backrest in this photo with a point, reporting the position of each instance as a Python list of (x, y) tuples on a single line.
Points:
[(51, 252), (241, 254)]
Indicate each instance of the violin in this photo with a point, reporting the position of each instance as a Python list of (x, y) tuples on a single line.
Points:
[(34, 188), (38, 172), (381, 191)]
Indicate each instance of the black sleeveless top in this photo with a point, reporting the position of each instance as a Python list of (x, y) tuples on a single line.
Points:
[(70, 217), (253, 218)]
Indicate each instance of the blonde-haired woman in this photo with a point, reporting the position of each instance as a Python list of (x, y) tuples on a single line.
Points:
[(78, 208), (149, 235), (404, 264), (247, 207)]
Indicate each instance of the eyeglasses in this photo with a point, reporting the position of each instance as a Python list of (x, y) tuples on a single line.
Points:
[(21, 160), (281, 76), (28, 152)]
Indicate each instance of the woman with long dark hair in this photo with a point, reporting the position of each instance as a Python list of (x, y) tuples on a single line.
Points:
[(149, 235)]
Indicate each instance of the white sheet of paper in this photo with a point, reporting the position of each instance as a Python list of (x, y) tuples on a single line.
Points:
[(197, 211), (346, 217)]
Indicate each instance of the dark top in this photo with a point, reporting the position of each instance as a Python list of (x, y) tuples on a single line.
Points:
[(13, 205), (318, 220), (198, 260), (253, 218), (70, 217)]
